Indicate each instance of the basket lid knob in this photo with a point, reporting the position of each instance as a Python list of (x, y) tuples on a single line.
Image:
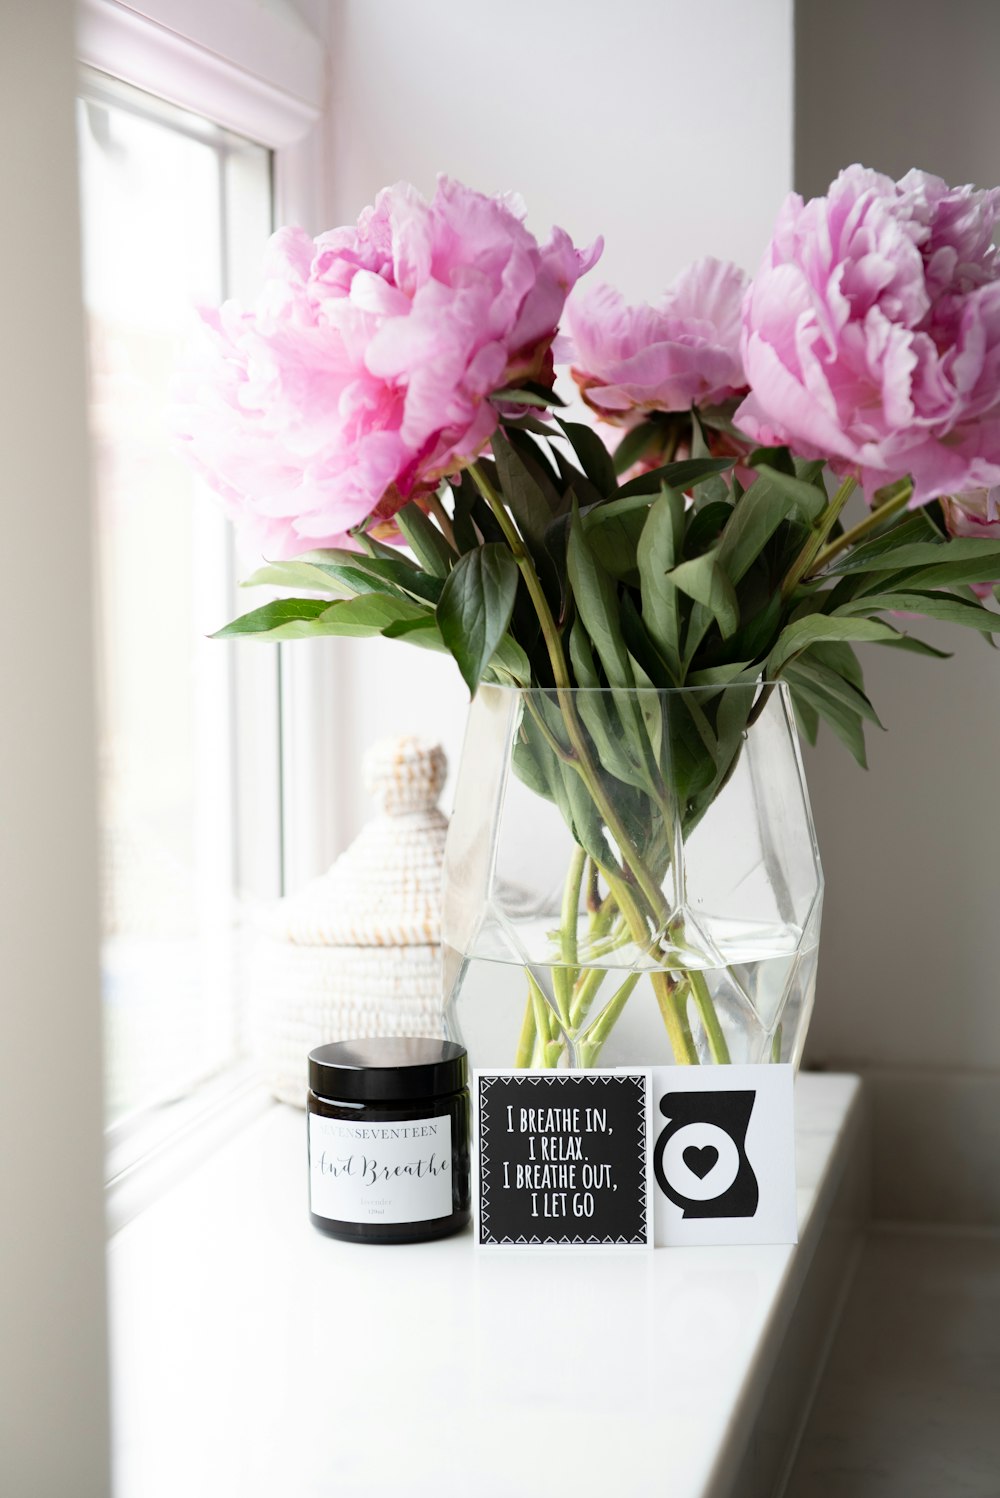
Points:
[(404, 775)]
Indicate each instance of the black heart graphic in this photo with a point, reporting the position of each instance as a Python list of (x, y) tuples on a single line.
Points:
[(700, 1161)]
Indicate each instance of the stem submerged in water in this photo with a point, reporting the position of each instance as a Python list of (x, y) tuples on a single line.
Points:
[(631, 885)]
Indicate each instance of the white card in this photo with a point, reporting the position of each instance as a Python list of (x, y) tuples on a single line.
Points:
[(722, 1155)]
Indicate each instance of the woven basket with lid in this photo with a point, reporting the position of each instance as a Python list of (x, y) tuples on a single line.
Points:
[(357, 951)]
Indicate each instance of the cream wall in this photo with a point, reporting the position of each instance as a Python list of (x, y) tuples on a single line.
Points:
[(910, 966), (53, 1392), (636, 121)]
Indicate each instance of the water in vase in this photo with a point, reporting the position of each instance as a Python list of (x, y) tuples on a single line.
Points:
[(746, 999)]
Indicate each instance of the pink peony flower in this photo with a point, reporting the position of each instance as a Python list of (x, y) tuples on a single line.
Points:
[(975, 514), (871, 335), (683, 352), (363, 372)]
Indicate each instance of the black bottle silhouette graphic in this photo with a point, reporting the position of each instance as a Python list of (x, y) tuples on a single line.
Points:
[(729, 1111)]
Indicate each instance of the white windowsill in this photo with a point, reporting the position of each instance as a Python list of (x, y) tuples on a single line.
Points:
[(254, 1357)]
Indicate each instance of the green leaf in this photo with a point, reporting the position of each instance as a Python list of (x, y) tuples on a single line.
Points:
[(527, 490), (464, 495), (475, 608), (944, 606), (806, 718), (705, 526), (703, 579), (529, 394), (542, 722), (656, 554), (693, 748), (913, 529), (846, 724), (715, 490), (755, 518), (422, 632), (840, 657), (735, 706), (635, 443), (641, 648), (370, 546), (392, 569), (982, 554), (473, 513), (804, 499), (681, 475), (778, 459), (358, 579), (606, 732), (814, 628), (891, 491), (813, 673), (509, 663), (391, 574), (425, 540), (946, 574), (917, 647), (572, 479), (539, 457), (592, 455), (614, 540), (273, 618), (305, 618), (295, 574), (597, 604), (535, 764), (720, 676), (762, 620), (810, 471)]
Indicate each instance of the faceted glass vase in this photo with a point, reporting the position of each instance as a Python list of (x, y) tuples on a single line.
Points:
[(631, 878)]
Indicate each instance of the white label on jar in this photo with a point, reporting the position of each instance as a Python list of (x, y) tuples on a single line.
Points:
[(388, 1170)]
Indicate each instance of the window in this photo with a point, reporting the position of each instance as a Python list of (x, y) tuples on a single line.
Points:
[(175, 211)]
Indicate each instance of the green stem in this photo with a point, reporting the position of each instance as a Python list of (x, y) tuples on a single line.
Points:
[(590, 1043), (547, 1047), (603, 937), (564, 977), (671, 445), (671, 1011), (593, 892), (526, 1040), (443, 519), (709, 1018), (806, 558), (871, 522)]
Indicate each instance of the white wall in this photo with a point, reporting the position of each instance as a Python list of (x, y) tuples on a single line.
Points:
[(53, 1397), (663, 125), (910, 964)]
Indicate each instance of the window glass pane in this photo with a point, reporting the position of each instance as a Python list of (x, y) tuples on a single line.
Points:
[(160, 192)]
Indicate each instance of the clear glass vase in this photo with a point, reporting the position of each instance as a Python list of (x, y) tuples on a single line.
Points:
[(631, 878)]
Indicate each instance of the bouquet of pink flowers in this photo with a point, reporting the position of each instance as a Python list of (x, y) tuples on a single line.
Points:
[(383, 423)]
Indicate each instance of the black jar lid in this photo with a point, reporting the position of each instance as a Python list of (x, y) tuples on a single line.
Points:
[(387, 1069)]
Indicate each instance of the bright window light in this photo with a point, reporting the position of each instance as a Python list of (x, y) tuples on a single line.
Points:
[(172, 208)]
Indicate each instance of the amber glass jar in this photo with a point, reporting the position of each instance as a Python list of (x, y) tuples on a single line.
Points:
[(389, 1139)]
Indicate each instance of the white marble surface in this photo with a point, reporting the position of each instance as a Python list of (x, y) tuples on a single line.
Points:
[(909, 1403), (252, 1356)]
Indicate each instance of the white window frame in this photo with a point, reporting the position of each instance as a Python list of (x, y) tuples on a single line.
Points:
[(262, 71)]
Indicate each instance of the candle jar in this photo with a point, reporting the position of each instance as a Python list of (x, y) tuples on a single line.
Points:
[(389, 1139)]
